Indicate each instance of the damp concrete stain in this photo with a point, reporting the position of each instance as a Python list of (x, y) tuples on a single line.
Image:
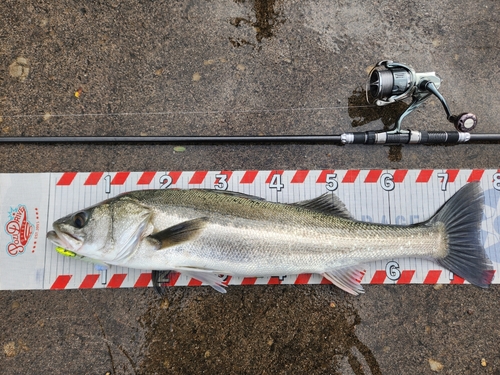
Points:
[(395, 152), (267, 18), (252, 330), (362, 113)]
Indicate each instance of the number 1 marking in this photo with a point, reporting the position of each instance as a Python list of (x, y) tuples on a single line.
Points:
[(107, 184)]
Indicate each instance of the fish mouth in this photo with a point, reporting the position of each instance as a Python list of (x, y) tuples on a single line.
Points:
[(64, 240)]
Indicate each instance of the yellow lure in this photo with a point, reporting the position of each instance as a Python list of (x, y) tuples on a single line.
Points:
[(65, 252)]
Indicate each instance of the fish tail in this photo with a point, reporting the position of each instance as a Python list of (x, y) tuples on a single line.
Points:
[(462, 215)]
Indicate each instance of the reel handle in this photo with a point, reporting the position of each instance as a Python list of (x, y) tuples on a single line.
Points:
[(464, 122)]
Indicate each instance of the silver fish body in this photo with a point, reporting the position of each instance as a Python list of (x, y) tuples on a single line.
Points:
[(205, 233)]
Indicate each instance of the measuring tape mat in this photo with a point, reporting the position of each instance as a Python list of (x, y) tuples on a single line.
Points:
[(29, 203)]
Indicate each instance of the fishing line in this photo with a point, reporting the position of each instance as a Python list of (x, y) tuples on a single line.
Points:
[(174, 113)]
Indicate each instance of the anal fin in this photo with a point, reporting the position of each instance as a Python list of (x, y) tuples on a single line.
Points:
[(347, 279), (208, 278)]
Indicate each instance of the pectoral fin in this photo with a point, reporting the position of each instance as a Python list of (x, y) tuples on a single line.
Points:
[(183, 232), (348, 279)]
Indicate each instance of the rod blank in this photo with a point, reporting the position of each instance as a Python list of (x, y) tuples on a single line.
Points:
[(369, 137)]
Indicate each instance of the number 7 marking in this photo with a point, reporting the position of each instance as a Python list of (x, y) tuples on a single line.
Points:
[(444, 182)]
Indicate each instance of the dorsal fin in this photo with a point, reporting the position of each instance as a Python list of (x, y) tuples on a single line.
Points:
[(327, 204)]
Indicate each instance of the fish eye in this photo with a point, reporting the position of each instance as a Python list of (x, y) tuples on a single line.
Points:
[(80, 219)]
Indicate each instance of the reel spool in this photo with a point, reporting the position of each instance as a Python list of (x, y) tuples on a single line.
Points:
[(390, 82)]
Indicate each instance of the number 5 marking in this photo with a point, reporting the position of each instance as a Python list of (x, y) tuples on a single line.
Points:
[(331, 182)]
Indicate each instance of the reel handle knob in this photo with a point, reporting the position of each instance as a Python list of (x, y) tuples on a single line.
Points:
[(465, 122)]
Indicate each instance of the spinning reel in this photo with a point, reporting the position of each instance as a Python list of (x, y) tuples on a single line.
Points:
[(390, 82)]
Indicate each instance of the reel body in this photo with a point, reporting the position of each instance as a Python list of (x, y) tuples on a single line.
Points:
[(390, 82)]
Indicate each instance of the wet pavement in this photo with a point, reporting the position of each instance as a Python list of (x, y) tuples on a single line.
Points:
[(250, 68)]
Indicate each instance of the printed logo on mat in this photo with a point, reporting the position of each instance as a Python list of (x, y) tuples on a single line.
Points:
[(20, 230)]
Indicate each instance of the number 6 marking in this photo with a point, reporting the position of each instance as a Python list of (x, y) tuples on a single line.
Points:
[(392, 270), (387, 182)]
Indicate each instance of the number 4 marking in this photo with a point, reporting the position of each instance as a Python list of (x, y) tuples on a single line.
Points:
[(276, 182)]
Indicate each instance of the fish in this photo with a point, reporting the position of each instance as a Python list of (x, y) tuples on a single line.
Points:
[(208, 233)]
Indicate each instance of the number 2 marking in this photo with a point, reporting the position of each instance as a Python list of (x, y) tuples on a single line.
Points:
[(165, 181)]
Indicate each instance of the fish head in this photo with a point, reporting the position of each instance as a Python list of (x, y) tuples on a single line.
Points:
[(108, 231)]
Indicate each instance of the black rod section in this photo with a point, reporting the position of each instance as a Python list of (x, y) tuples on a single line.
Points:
[(180, 139), (353, 138)]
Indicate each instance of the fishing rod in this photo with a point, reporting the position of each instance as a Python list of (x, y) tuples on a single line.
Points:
[(388, 83)]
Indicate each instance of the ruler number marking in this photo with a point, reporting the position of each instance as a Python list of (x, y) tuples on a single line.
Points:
[(331, 182), (496, 181), (165, 181), (107, 184), (221, 180), (444, 182), (276, 182), (392, 270), (387, 182)]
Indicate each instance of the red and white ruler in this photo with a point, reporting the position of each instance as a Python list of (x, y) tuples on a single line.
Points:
[(29, 203)]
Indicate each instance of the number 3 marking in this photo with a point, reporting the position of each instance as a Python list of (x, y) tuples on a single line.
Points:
[(221, 182)]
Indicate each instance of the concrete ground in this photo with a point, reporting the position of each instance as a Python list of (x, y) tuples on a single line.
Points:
[(242, 67)]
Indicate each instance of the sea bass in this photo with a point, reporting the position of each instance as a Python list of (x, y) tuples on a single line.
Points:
[(206, 233)]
